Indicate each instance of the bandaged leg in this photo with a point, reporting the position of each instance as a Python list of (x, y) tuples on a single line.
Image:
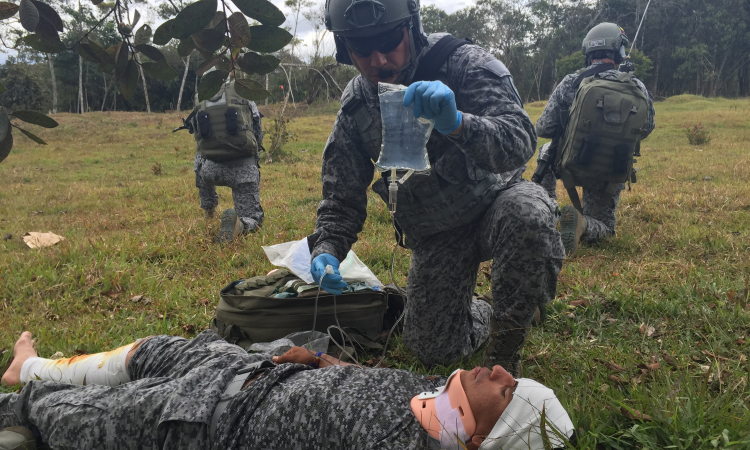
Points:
[(103, 369)]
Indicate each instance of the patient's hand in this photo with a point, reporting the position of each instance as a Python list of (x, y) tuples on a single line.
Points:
[(296, 355)]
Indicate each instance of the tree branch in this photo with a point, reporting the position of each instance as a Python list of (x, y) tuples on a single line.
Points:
[(95, 26)]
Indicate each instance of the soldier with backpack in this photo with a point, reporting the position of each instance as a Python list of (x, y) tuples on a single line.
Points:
[(597, 118), (228, 133), (472, 205)]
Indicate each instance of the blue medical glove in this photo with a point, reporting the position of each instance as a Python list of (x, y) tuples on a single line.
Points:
[(332, 283), (433, 99)]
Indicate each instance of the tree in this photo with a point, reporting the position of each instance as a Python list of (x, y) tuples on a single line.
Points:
[(227, 43)]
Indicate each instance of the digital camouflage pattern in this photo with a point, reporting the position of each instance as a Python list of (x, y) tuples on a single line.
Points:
[(518, 234), (516, 230), (602, 224), (177, 383), (241, 175)]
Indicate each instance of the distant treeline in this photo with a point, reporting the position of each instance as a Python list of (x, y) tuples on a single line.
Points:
[(700, 47)]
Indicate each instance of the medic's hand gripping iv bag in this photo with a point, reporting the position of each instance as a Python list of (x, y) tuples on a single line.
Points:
[(404, 136)]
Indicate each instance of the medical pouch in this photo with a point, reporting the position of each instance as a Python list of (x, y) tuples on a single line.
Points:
[(225, 125), (249, 312)]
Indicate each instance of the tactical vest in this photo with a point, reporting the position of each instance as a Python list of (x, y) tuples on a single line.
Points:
[(224, 127), (451, 194), (605, 126)]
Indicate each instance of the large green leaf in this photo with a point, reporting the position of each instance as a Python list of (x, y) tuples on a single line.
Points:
[(46, 31), (209, 39), (100, 52), (129, 80), (7, 10), (163, 34), (4, 123), (35, 117), (88, 53), (37, 43), (211, 83), (207, 64), (159, 70), (5, 146), (121, 60), (151, 52), (143, 35), (193, 18), (97, 2), (186, 46), (50, 14), (219, 22), (32, 136), (239, 30), (252, 62), (136, 18), (261, 10), (268, 39), (28, 14), (250, 89)]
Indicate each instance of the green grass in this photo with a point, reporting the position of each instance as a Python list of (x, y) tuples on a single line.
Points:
[(679, 264)]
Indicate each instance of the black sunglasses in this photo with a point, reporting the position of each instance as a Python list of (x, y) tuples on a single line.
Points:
[(383, 43)]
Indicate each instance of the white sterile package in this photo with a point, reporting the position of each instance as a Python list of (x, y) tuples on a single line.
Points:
[(296, 257)]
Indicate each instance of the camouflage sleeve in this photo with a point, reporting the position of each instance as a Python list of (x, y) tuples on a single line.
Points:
[(497, 134), (650, 124), (346, 174), (549, 123)]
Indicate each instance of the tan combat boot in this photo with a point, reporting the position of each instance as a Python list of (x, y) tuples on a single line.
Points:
[(504, 348), (572, 227), (231, 227)]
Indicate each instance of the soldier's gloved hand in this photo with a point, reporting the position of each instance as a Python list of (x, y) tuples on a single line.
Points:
[(332, 283), (433, 99)]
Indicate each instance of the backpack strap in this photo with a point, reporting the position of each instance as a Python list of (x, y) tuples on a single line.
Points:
[(436, 56), (570, 186), (599, 68)]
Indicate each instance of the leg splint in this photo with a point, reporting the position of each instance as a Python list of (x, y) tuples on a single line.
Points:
[(103, 369)]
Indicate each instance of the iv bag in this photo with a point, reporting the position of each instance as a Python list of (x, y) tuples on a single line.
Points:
[(404, 136)]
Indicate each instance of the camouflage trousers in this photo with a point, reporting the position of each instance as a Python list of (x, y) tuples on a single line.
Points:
[(599, 224), (242, 176), (169, 404), (442, 323)]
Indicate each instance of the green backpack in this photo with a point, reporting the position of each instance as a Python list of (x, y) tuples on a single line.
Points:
[(224, 126), (248, 313), (602, 135)]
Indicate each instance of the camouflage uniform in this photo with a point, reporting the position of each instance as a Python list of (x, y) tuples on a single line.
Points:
[(241, 175), (513, 223), (601, 225), (177, 384)]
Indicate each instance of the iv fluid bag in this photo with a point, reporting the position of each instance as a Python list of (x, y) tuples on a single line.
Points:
[(404, 136)]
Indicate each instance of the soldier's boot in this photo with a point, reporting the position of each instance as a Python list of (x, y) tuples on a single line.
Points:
[(17, 438), (539, 315), (572, 227), (209, 214), (231, 227), (504, 348)]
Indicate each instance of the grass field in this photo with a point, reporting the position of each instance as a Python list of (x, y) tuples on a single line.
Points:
[(670, 290)]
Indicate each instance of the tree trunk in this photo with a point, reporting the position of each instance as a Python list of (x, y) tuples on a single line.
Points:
[(182, 86), (106, 90), (80, 84), (54, 83), (266, 89), (143, 77)]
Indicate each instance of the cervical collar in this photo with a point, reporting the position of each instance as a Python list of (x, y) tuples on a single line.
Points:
[(445, 412)]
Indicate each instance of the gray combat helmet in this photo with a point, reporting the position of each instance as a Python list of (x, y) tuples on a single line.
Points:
[(606, 36), (367, 18)]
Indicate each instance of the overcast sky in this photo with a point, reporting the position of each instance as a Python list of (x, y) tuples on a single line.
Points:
[(305, 29)]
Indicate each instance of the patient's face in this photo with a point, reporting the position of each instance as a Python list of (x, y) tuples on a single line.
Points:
[(489, 392)]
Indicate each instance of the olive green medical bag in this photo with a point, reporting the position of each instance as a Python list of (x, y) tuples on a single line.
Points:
[(249, 313)]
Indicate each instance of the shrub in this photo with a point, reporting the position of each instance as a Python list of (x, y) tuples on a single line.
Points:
[(697, 135)]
